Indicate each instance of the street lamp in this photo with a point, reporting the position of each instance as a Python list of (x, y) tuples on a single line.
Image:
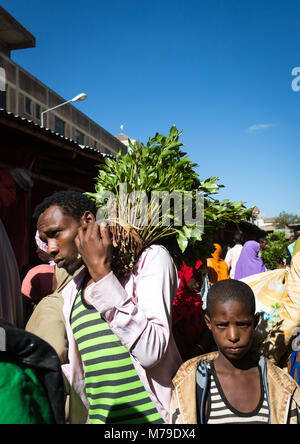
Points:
[(77, 98)]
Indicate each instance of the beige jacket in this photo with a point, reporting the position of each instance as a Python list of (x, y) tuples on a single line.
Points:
[(283, 391), (47, 320)]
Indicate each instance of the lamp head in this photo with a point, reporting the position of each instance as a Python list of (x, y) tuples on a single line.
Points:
[(79, 97)]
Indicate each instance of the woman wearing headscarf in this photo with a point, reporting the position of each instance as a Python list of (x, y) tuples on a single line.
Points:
[(217, 267), (249, 262)]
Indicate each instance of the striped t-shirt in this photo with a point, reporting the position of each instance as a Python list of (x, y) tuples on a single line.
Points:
[(220, 411), (113, 387)]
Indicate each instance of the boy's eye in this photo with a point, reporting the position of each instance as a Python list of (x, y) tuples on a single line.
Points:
[(222, 325), (243, 324)]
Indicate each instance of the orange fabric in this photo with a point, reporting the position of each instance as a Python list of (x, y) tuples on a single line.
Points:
[(217, 267)]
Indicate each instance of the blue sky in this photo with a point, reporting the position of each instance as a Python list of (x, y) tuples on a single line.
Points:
[(220, 70)]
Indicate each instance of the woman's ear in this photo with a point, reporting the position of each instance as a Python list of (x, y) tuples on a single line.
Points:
[(86, 219)]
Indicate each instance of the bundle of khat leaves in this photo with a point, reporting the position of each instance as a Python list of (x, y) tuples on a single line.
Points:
[(153, 194)]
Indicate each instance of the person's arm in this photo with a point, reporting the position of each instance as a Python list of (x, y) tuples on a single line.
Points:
[(141, 319)]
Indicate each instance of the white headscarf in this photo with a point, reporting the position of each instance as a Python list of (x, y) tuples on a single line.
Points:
[(42, 245)]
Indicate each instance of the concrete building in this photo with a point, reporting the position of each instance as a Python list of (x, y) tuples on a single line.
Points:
[(24, 95), (124, 139), (265, 223)]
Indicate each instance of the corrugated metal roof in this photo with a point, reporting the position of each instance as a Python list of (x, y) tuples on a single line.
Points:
[(48, 131)]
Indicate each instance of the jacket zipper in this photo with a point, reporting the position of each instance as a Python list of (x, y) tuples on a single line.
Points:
[(287, 409), (179, 406)]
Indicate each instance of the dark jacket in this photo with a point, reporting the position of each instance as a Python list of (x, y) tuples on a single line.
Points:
[(27, 350)]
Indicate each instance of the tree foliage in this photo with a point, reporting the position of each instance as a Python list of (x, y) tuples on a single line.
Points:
[(274, 255), (284, 219)]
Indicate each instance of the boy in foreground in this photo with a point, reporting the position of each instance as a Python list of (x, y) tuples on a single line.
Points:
[(232, 385)]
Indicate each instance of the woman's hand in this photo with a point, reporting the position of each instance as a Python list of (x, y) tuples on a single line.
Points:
[(95, 246)]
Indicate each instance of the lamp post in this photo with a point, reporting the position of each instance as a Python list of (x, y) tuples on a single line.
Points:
[(77, 98)]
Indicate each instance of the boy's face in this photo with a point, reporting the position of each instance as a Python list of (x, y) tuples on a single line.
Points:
[(232, 327)]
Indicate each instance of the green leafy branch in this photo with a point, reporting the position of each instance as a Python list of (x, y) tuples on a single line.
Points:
[(160, 167)]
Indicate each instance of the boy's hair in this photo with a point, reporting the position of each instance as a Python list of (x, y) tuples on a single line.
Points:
[(262, 239), (72, 203), (228, 290)]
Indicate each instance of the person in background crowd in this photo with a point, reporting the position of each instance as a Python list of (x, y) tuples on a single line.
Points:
[(291, 247), (249, 262), (291, 238), (39, 280), (187, 314), (277, 297), (119, 333), (216, 266), (293, 289), (47, 320), (296, 247), (233, 254), (233, 385), (31, 383), (225, 250), (263, 242), (11, 300)]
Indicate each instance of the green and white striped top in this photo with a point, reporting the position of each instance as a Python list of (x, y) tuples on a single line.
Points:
[(113, 387)]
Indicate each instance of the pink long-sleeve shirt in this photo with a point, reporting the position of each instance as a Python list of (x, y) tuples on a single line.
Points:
[(138, 312)]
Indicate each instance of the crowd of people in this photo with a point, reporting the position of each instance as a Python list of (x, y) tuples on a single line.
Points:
[(163, 345)]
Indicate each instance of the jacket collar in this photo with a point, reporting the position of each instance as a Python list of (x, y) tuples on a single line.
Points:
[(185, 386)]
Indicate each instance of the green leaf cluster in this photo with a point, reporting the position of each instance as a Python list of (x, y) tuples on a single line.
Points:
[(274, 255), (162, 166)]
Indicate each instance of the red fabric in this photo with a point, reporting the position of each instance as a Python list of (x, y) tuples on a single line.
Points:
[(185, 274), (187, 314), (38, 282)]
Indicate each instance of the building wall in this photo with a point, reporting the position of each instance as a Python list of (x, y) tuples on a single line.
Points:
[(22, 88)]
